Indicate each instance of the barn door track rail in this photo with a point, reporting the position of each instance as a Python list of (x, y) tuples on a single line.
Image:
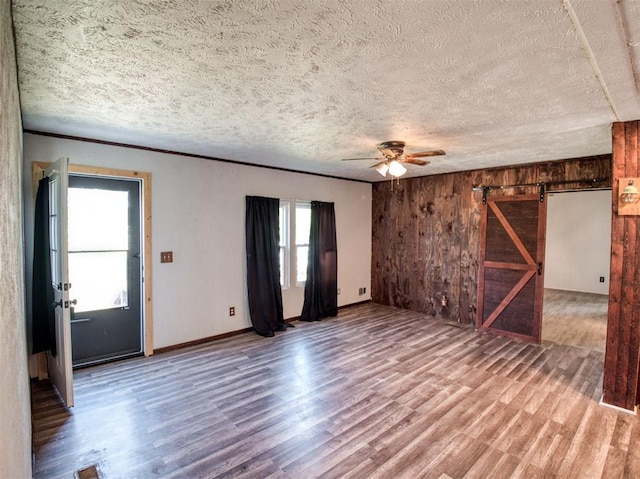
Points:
[(542, 186)]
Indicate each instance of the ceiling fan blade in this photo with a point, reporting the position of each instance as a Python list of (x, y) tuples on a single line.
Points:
[(415, 162), (425, 153), (352, 159)]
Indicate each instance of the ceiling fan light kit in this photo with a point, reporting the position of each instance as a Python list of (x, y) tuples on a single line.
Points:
[(396, 169), (393, 153), (382, 168)]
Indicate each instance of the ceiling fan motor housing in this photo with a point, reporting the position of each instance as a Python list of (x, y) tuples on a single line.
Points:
[(391, 149)]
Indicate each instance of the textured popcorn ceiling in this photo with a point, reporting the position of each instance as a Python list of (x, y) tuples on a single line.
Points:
[(302, 84)]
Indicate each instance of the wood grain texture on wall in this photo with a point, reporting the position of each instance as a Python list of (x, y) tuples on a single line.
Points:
[(621, 373), (425, 232)]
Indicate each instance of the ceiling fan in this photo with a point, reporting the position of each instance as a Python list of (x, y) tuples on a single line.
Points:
[(393, 153)]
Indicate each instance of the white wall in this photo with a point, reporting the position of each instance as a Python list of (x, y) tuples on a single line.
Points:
[(198, 209), (15, 410), (578, 247)]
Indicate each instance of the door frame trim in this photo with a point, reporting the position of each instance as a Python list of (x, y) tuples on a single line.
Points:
[(147, 276)]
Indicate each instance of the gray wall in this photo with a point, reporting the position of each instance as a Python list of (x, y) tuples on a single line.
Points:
[(578, 248), (15, 412)]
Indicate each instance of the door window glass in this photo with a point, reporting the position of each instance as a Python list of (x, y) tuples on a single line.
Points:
[(99, 291), (98, 219), (54, 193), (98, 242)]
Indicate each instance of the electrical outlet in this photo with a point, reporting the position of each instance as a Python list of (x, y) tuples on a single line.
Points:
[(232, 311), (166, 257), (602, 279), (338, 290)]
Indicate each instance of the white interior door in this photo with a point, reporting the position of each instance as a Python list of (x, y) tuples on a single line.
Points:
[(60, 367)]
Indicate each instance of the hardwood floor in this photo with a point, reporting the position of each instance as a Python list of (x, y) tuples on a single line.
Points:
[(574, 318), (377, 392)]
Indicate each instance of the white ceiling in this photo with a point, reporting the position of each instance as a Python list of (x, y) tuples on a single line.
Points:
[(301, 84)]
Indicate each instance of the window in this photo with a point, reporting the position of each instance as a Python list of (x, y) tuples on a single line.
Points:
[(284, 243), (294, 230), (303, 227)]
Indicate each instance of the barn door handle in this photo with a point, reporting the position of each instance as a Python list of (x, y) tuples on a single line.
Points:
[(540, 269)]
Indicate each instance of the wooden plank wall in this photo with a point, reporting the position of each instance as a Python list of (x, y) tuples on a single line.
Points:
[(425, 232), (623, 338)]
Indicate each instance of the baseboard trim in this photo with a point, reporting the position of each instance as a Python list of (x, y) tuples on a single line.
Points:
[(198, 342), (209, 339), (351, 305), (618, 408), (340, 308)]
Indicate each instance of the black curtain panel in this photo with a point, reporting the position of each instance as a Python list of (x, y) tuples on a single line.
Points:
[(263, 265), (43, 323), (321, 288)]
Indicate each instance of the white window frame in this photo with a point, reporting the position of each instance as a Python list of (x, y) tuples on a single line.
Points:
[(294, 241), (284, 219)]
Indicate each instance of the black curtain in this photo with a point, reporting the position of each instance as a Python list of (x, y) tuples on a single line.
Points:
[(43, 323), (321, 288), (263, 265)]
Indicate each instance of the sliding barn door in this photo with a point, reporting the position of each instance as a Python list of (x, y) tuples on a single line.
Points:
[(510, 283)]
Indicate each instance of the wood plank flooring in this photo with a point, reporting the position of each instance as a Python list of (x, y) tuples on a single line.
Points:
[(574, 318), (377, 392)]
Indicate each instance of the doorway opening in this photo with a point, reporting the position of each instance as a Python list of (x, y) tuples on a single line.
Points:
[(58, 173), (576, 280)]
